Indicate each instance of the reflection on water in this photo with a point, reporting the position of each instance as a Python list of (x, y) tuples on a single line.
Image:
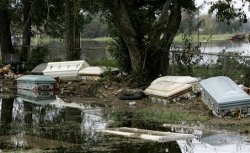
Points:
[(63, 127), (72, 127), (214, 143), (218, 46)]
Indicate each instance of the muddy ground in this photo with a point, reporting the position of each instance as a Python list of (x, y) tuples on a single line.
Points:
[(106, 92)]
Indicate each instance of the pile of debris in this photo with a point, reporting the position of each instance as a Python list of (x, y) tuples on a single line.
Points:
[(6, 72), (87, 88)]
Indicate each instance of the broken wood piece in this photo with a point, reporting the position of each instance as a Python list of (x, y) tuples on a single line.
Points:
[(148, 134), (199, 128)]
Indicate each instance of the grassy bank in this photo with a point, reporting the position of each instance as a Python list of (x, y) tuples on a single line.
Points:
[(195, 37), (170, 116), (47, 39), (178, 38), (99, 39)]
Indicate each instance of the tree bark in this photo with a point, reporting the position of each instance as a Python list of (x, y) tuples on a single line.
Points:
[(148, 60), (5, 35), (163, 33), (122, 20), (70, 31), (26, 30)]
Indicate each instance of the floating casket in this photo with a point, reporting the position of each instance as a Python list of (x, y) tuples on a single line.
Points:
[(169, 87), (66, 70), (222, 95), (36, 95), (36, 83), (39, 100)]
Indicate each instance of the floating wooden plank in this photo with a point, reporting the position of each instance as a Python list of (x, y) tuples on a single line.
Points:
[(200, 128), (158, 136)]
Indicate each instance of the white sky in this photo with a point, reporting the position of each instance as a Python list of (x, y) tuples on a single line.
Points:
[(237, 5)]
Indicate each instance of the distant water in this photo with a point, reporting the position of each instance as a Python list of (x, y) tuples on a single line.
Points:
[(218, 46)]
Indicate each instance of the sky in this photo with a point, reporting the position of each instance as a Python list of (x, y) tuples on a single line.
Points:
[(237, 5)]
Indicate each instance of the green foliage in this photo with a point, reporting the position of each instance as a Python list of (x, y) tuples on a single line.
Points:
[(231, 64), (95, 29), (214, 37), (185, 60), (38, 55), (119, 51), (225, 11), (103, 62)]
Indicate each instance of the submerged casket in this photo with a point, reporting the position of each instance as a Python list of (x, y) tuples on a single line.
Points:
[(222, 95), (36, 101), (36, 95), (169, 87), (65, 70), (36, 82)]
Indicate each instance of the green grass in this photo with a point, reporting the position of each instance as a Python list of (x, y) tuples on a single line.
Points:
[(100, 39), (178, 38), (171, 116), (44, 40), (103, 62)]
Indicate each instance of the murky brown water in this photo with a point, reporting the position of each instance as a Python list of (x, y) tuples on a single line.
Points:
[(28, 126)]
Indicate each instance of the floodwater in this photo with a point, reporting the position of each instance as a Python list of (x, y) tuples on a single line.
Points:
[(90, 50), (51, 125), (218, 46), (96, 50)]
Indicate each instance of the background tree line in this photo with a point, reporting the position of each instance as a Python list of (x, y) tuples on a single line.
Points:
[(142, 29)]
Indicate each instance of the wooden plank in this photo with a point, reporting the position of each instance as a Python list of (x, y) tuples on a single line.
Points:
[(158, 136), (200, 128)]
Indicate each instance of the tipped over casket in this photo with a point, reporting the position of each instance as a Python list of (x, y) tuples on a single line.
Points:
[(169, 87), (223, 96)]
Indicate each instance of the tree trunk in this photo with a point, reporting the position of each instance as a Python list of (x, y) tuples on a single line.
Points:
[(128, 33), (5, 35), (152, 59), (26, 30), (71, 15), (77, 30), (157, 60)]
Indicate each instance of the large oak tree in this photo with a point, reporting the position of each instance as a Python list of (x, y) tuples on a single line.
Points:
[(148, 27)]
